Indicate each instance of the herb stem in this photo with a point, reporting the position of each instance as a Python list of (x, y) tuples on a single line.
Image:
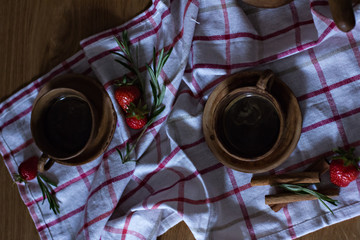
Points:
[(157, 91)]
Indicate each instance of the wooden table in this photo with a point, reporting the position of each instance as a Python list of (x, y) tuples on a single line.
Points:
[(37, 35)]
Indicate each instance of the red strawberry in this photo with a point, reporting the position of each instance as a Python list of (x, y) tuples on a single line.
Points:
[(136, 116), (135, 122), (344, 167), (27, 170), (127, 94)]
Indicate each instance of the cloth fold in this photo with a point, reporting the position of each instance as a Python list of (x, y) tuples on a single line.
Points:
[(176, 177)]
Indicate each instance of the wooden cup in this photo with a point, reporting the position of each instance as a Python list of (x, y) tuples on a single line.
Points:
[(79, 113), (223, 130)]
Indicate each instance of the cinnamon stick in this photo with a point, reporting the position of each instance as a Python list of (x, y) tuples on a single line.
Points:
[(284, 198), (320, 166), (277, 207), (293, 178)]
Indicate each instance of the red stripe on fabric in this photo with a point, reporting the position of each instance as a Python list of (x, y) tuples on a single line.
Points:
[(66, 65), (110, 186), (330, 120), (126, 226), (111, 191), (251, 35), (3, 152), (358, 185), (207, 200), (31, 209), (297, 29), (139, 181), (95, 220), (227, 32), (119, 231), (328, 96), (147, 187), (319, 3), (301, 164), (194, 83), (147, 177), (18, 97), (17, 117), (148, 13), (289, 222), (86, 231), (241, 204), (267, 59), (168, 83), (187, 146), (110, 181), (62, 218), (85, 179), (318, 14), (153, 23), (18, 149), (329, 88), (188, 91), (87, 71), (354, 46), (158, 144), (181, 192)]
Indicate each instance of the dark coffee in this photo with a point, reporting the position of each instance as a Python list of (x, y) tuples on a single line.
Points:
[(250, 125), (68, 124)]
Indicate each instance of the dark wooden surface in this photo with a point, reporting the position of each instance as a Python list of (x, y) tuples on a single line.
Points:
[(37, 35)]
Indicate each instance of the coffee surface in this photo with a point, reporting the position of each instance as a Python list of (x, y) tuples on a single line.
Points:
[(68, 124), (251, 126)]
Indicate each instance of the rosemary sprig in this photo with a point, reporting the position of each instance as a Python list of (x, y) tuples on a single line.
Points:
[(46, 190), (302, 190), (158, 91)]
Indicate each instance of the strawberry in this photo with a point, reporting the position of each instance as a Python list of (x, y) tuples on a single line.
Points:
[(127, 94), (344, 167), (136, 116), (27, 170), (136, 122)]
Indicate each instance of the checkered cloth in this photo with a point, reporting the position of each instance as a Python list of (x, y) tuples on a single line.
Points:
[(176, 176)]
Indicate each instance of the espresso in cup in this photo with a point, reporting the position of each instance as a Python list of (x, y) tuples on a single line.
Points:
[(67, 124), (62, 125), (251, 125), (249, 121)]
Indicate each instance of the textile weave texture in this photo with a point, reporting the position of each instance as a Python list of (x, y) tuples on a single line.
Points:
[(176, 176)]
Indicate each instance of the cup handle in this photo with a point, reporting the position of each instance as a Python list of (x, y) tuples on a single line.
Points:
[(44, 163), (343, 14), (266, 80)]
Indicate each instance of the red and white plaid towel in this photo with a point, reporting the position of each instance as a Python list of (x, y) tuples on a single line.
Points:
[(177, 177)]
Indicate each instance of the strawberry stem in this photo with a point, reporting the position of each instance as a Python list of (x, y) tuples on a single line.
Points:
[(347, 156)]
